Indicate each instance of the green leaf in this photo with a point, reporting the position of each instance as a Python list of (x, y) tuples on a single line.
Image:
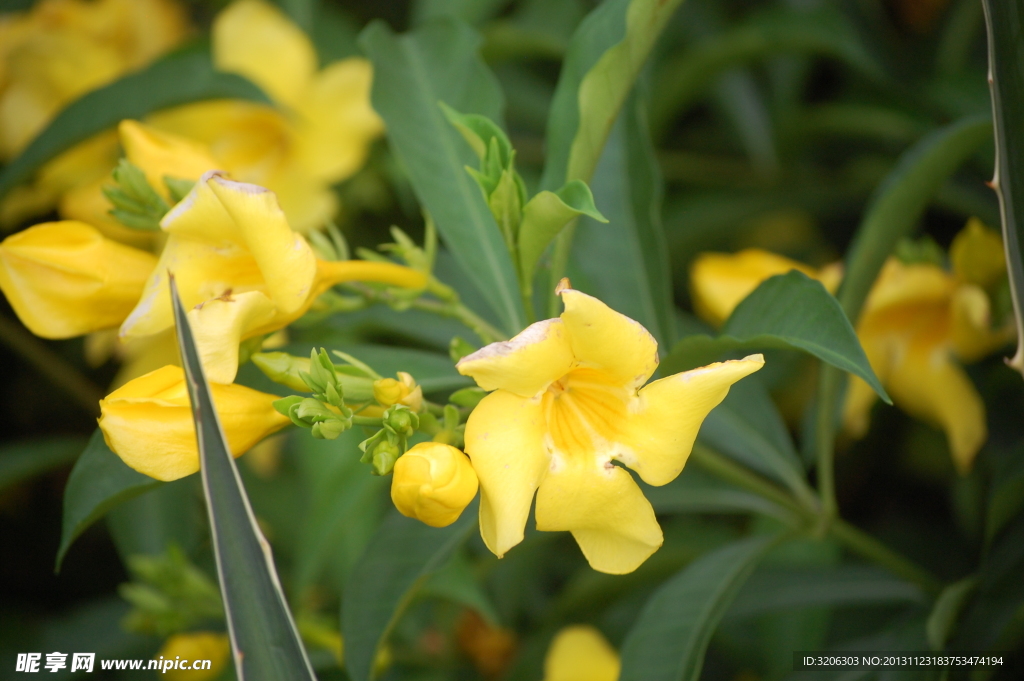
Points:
[(790, 311), (438, 62), (947, 610), (545, 215), (302, 12), (625, 262), (170, 513), (669, 638), (1004, 22), (479, 131), (264, 639), (403, 554), (23, 460), (457, 583), (605, 56), (179, 78), (695, 491), (98, 482), (826, 32)]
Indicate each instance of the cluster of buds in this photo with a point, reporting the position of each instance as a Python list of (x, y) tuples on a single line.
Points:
[(325, 413), (382, 450)]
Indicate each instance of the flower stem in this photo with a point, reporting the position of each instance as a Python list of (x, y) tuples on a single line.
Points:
[(730, 471), (868, 547), (456, 310), (51, 365)]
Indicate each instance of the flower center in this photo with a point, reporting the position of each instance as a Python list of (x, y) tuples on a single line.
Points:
[(584, 411)]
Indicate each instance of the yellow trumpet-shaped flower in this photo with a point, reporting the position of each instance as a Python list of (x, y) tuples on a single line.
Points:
[(720, 281), (65, 279), (191, 647), (917, 322), (569, 400), (401, 390), (433, 482), (581, 653), (148, 422), (326, 137), (235, 257)]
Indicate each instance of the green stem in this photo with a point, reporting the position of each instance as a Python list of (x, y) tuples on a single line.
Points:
[(868, 547), (56, 369), (487, 333), (373, 421), (730, 471)]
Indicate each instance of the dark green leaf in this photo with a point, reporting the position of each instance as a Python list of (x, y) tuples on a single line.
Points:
[(98, 482), (946, 611), (439, 62), (456, 582), (264, 638), (401, 557), (26, 459), (695, 491), (625, 261), (668, 640), (168, 514), (179, 78), (1005, 22)]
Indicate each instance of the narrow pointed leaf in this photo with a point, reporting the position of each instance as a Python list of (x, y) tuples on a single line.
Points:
[(400, 559), (1005, 21), (179, 78), (98, 482), (545, 215), (264, 638), (671, 635)]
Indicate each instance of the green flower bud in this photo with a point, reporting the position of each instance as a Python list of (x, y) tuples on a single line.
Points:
[(385, 454), (329, 430), (401, 420), (467, 397), (283, 368), (311, 411)]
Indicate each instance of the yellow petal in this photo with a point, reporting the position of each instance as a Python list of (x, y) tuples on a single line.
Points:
[(219, 325), (661, 431), (603, 339), (604, 509), (86, 203), (255, 39), (581, 653), (900, 285), (525, 365), (719, 281), (337, 123), (433, 482), (198, 645), (931, 387), (65, 279), (977, 255), (505, 441), (148, 422), (160, 155), (971, 324)]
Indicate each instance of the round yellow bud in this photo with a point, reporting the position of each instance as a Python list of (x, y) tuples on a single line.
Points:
[(433, 483), (389, 391), (186, 656)]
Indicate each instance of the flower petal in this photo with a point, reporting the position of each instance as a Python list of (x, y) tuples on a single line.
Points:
[(607, 340), (525, 365), (255, 39), (219, 325), (971, 324), (977, 255), (899, 285), (161, 154), (660, 433), (604, 509), (505, 442), (581, 653)]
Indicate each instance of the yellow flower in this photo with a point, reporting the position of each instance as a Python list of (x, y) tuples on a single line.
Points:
[(720, 281), (433, 483), (148, 422), (403, 390), (233, 253), (581, 653), (325, 139), (567, 402), (65, 279), (199, 645), (917, 322)]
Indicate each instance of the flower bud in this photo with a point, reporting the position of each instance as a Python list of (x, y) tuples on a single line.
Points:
[(199, 645), (389, 391), (283, 368), (330, 430), (385, 454), (65, 279), (148, 422), (401, 420), (433, 483)]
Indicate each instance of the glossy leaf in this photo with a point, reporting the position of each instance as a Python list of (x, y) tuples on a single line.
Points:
[(671, 635), (264, 639), (1004, 22), (20, 461), (544, 217), (179, 78), (412, 74), (403, 554), (625, 261), (98, 482)]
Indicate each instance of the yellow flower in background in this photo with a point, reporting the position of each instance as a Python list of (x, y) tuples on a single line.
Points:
[(65, 279), (233, 253), (148, 422), (54, 54), (569, 399), (433, 482), (918, 321), (199, 645), (581, 653), (720, 281), (321, 133)]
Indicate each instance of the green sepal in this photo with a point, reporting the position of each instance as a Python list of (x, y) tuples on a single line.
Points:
[(136, 204), (459, 347), (282, 368), (468, 397), (178, 188), (923, 250), (545, 216), (286, 404)]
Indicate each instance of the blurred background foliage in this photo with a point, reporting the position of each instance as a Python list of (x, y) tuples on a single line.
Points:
[(773, 122)]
